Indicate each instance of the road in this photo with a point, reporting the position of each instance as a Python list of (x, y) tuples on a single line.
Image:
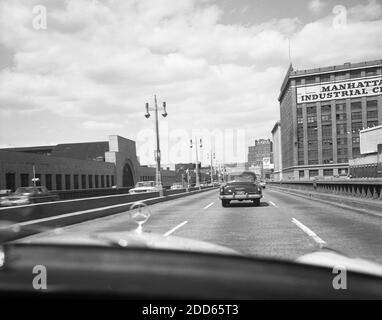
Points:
[(284, 226)]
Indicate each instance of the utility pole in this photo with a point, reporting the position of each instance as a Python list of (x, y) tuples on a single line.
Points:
[(212, 156), (158, 177), (197, 160)]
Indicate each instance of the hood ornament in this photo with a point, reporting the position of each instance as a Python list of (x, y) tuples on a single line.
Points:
[(139, 213)]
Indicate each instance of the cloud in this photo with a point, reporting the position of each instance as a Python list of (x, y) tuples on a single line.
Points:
[(99, 62), (316, 6)]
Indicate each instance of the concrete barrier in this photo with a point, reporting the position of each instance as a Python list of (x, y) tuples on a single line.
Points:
[(353, 203), (63, 213)]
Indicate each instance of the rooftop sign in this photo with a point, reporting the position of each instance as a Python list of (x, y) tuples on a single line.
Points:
[(340, 90)]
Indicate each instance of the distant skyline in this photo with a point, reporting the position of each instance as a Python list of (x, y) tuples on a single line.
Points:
[(219, 66)]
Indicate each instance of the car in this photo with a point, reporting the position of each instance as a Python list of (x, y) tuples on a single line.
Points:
[(143, 186), (176, 186), (262, 184), (241, 186), (28, 195)]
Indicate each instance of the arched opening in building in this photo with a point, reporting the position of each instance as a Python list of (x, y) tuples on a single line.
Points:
[(128, 178)]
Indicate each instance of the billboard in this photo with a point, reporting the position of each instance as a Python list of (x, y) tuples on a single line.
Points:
[(339, 90)]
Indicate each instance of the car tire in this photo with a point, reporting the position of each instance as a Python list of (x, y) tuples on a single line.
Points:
[(256, 202), (225, 203)]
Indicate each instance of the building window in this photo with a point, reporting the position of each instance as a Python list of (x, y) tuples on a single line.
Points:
[(10, 181), (108, 181), (76, 181), (356, 152), (372, 114), (341, 128), (372, 123), (311, 110), (341, 141), (341, 107), (326, 108), (371, 104), (326, 117), (310, 80), (343, 160), (357, 115), (48, 181), (301, 174), (83, 181), (356, 106), (67, 182), (112, 181), (355, 74), (312, 119), (300, 120), (371, 72), (326, 130), (356, 127), (96, 181), (58, 182), (355, 140), (313, 173), (340, 76), (24, 177), (325, 78), (102, 181), (90, 181), (341, 116), (328, 172)]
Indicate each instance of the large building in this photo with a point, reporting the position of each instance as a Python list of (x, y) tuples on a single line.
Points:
[(277, 152), (257, 153), (75, 166), (322, 111), (259, 157), (369, 164)]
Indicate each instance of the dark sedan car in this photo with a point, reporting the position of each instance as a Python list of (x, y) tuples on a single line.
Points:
[(241, 186), (27, 195)]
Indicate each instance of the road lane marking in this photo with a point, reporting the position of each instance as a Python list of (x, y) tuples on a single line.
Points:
[(273, 204), (209, 205), (309, 232), (175, 228)]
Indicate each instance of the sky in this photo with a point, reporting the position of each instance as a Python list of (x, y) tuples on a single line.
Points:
[(89, 70)]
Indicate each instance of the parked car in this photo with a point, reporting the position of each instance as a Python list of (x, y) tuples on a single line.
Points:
[(262, 184), (241, 186), (144, 186), (27, 195), (176, 186)]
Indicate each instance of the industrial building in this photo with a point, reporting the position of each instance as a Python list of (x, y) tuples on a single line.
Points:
[(322, 111), (277, 152), (73, 166)]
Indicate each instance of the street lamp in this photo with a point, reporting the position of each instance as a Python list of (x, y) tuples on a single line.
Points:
[(158, 177), (212, 157), (196, 156)]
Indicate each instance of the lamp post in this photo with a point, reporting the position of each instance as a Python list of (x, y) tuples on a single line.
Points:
[(158, 177), (197, 146), (212, 157)]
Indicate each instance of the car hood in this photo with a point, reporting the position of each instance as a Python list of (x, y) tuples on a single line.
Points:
[(333, 259), (128, 239)]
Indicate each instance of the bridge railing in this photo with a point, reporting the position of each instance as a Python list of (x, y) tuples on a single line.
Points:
[(361, 188)]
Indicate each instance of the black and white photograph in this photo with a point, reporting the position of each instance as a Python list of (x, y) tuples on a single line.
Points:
[(191, 155)]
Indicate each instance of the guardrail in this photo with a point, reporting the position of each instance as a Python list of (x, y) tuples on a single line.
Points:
[(361, 188), (88, 193)]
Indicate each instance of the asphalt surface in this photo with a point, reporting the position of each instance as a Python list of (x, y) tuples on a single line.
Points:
[(283, 226)]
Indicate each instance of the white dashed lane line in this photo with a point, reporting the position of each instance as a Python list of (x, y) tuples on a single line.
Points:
[(309, 232), (175, 228), (273, 204), (209, 205)]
